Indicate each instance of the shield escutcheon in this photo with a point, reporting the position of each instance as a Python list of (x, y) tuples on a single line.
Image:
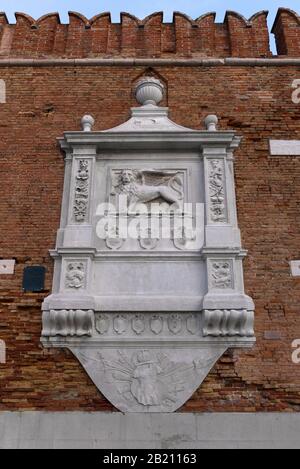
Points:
[(138, 324), (175, 323), (156, 324), (192, 324), (120, 324), (102, 324)]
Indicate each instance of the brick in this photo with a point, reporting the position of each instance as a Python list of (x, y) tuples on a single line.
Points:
[(132, 37)]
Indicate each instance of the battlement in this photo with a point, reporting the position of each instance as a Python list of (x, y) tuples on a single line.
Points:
[(151, 37), (287, 32)]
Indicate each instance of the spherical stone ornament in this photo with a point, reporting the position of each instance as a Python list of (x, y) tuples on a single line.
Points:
[(87, 123), (211, 123), (149, 90)]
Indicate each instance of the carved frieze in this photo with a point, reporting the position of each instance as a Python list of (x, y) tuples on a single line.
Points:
[(149, 241), (143, 324)]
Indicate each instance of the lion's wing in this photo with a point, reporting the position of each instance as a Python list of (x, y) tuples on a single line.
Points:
[(156, 178)]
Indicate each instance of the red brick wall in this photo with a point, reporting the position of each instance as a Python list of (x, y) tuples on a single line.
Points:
[(184, 37), (151, 37), (287, 32), (42, 102)]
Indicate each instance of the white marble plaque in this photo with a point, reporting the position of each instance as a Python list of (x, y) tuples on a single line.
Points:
[(295, 268), (7, 266), (285, 147)]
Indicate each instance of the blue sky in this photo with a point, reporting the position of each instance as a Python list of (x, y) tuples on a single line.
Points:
[(141, 8)]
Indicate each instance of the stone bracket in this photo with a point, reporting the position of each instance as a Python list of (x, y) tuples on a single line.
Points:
[(230, 323), (67, 323)]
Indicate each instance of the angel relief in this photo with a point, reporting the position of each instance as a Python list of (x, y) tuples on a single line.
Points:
[(145, 186), (150, 378), (145, 380)]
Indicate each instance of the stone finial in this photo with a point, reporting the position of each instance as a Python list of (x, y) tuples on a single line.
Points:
[(87, 123), (149, 90), (211, 123)]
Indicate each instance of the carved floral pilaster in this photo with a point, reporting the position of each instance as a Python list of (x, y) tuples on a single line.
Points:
[(81, 196), (217, 191)]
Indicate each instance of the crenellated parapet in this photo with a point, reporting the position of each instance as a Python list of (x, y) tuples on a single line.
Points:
[(287, 32), (151, 37), (248, 38)]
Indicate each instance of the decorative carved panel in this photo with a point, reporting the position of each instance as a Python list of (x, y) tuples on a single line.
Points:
[(75, 275), (217, 202), (148, 279), (81, 196)]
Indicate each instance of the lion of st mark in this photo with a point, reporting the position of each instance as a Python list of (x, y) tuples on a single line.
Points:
[(146, 186)]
